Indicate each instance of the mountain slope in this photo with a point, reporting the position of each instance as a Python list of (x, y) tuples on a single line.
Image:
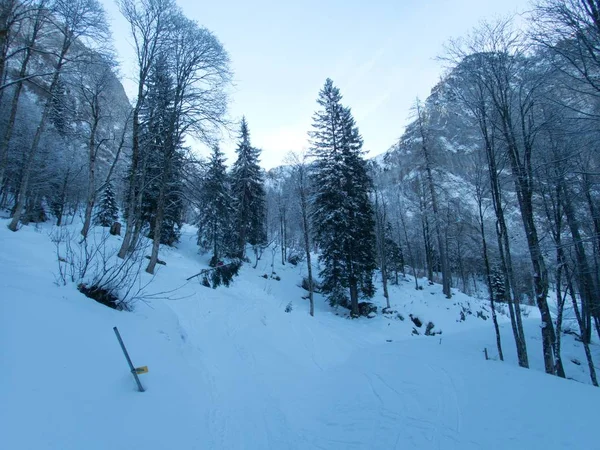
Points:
[(229, 369)]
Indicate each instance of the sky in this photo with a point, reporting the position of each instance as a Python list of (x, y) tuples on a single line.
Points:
[(380, 53)]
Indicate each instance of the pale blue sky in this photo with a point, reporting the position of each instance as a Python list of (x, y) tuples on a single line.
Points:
[(380, 53)]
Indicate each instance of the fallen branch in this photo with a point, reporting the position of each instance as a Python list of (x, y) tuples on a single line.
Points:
[(205, 271)]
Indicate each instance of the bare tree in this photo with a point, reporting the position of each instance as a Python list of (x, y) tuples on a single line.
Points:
[(421, 120), (512, 83), (199, 67), (93, 86), (34, 27), (471, 86), (74, 22), (570, 31), (300, 176), (150, 23), (480, 193)]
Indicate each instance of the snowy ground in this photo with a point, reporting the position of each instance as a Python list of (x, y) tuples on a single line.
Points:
[(230, 369)]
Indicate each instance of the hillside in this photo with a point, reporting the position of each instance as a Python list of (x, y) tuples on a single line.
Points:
[(230, 369)]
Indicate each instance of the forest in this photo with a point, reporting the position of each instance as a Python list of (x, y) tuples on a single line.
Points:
[(492, 189)]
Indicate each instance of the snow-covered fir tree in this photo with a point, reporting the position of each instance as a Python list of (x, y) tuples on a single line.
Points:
[(498, 286), (214, 222), (164, 157), (248, 191), (108, 211), (343, 218)]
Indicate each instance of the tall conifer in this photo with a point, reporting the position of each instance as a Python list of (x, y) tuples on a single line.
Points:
[(248, 191), (342, 212)]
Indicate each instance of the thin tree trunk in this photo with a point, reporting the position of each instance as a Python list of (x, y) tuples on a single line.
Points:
[(353, 297), (488, 274), (158, 222), (380, 224), (586, 346), (134, 184), (522, 177), (434, 206), (13, 226), (306, 233), (583, 274), (506, 266), (91, 194), (37, 25), (409, 248), (160, 207)]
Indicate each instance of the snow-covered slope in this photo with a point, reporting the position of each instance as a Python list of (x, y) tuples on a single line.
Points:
[(230, 369)]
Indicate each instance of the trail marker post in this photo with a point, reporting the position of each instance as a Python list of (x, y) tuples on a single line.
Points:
[(134, 371)]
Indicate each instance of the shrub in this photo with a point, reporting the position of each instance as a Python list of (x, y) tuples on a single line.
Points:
[(295, 258)]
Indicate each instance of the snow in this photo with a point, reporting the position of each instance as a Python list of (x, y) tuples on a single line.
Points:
[(230, 369)]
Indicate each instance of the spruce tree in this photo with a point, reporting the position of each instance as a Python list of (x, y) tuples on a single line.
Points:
[(248, 191), (498, 286), (108, 211), (343, 218), (163, 156), (214, 230)]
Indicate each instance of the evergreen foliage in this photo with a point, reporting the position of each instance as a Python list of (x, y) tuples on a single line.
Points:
[(221, 275), (248, 191), (498, 286), (163, 155), (342, 216), (108, 211), (62, 109), (214, 227)]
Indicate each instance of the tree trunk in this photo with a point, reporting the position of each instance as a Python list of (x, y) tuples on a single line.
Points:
[(581, 324), (380, 224), (583, 274), (91, 194), (282, 233), (160, 212), (560, 302), (16, 95), (488, 274), (434, 206), (63, 199), (158, 221), (540, 273), (510, 295), (408, 248), (353, 297), (13, 226), (130, 205), (306, 234)]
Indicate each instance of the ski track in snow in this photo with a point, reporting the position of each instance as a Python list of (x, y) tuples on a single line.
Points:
[(230, 370)]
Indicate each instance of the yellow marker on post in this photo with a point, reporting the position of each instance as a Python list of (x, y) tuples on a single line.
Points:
[(133, 370), (140, 370)]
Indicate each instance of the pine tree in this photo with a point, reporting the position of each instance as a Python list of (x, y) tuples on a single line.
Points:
[(343, 218), (108, 211), (498, 286), (214, 231), (248, 191), (163, 156)]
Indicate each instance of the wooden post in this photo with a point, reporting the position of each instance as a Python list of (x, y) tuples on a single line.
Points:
[(485, 353), (133, 371)]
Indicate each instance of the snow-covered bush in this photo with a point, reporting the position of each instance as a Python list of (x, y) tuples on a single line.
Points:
[(93, 266)]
